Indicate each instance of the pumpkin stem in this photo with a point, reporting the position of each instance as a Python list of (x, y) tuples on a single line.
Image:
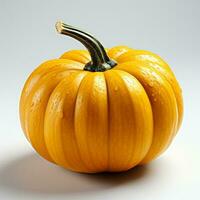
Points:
[(99, 59)]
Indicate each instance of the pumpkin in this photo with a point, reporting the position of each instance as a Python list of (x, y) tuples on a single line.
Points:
[(100, 110)]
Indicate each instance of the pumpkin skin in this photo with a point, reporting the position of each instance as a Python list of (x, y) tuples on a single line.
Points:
[(101, 121)]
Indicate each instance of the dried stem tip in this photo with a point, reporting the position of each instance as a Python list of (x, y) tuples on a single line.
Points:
[(59, 26)]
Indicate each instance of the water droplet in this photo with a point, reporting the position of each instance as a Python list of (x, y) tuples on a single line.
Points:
[(32, 106), (151, 84), (116, 88), (157, 67), (144, 73)]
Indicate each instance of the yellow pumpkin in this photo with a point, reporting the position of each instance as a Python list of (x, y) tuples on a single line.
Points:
[(95, 110)]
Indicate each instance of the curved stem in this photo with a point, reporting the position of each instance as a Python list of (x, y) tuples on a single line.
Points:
[(99, 59)]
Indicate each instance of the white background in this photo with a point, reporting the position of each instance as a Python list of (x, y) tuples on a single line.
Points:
[(28, 37)]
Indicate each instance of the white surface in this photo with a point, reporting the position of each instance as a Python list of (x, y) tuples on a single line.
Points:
[(24, 175), (28, 37)]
